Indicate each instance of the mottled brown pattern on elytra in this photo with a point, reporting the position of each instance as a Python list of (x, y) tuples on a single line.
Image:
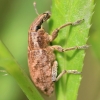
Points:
[(41, 68)]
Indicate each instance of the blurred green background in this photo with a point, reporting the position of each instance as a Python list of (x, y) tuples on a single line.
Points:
[(15, 19)]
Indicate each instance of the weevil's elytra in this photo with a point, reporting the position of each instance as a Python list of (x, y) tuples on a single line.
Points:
[(41, 59)]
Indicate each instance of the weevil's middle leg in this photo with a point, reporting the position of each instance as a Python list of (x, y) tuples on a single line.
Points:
[(55, 32), (60, 49), (67, 72)]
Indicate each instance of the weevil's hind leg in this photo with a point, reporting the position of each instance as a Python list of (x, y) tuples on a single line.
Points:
[(55, 32), (60, 49), (67, 72), (54, 71)]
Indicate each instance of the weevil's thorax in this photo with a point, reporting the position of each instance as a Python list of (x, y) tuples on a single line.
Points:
[(38, 40), (43, 38)]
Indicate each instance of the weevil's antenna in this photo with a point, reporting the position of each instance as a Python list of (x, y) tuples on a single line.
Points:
[(34, 4)]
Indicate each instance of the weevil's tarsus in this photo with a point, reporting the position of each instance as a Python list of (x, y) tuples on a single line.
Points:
[(73, 72), (77, 22), (34, 4)]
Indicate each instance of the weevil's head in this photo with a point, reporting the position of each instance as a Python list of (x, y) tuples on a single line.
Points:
[(47, 15), (36, 25)]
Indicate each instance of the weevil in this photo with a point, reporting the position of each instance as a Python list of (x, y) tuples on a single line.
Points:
[(41, 58)]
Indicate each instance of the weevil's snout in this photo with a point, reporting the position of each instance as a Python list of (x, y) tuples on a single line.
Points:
[(47, 15)]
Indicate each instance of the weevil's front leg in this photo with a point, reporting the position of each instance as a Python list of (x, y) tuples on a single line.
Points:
[(60, 49), (55, 32), (67, 72)]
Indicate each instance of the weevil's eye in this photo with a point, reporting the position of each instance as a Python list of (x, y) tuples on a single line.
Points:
[(47, 15), (37, 28)]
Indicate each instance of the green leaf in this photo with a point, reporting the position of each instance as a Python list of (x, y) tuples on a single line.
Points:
[(95, 31), (64, 11), (11, 66)]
